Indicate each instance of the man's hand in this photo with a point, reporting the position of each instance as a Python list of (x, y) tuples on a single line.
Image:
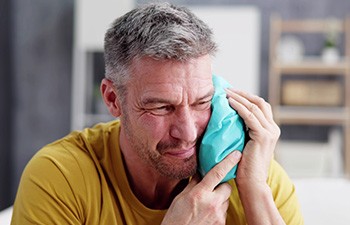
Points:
[(263, 133), (252, 173), (204, 201)]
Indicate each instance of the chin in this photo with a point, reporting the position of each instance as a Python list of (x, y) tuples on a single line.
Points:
[(179, 170)]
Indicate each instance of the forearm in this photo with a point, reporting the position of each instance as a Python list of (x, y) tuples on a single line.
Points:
[(258, 204)]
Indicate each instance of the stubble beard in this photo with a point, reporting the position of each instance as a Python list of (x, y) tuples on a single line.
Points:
[(167, 166)]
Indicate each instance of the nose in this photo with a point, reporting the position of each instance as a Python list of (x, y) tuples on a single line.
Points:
[(184, 126)]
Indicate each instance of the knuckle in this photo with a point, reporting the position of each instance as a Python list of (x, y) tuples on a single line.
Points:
[(267, 137), (215, 209), (252, 108), (268, 105), (196, 196), (212, 207), (227, 188), (272, 138), (277, 131), (219, 174), (261, 101), (251, 116)]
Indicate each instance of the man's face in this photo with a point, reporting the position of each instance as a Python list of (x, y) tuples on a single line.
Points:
[(166, 110)]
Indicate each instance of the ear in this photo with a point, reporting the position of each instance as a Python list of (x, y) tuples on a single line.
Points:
[(110, 97)]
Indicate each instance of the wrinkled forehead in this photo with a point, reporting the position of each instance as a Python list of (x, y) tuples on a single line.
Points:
[(194, 68), (170, 77)]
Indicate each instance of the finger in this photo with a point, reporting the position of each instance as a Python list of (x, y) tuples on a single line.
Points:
[(256, 100), (224, 208), (247, 108), (218, 172), (250, 120), (226, 204), (224, 191), (264, 106)]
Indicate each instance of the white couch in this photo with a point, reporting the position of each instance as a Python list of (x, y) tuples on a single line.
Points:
[(5, 216), (324, 201)]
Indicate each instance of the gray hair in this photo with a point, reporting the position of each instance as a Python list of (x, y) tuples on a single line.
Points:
[(159, 30)]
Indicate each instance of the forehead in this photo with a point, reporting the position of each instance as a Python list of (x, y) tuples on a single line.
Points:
[(170, 77), (149, 69)]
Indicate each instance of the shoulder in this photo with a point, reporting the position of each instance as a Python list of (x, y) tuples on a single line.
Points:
[(284, 194), (75, 156), (52, 186), (62, 170), (64, 158), (63, 182), (63, 179)]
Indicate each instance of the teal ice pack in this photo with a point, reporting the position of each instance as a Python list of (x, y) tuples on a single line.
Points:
[(224, 133)]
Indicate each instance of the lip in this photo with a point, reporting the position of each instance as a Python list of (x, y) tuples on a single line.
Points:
[(182, 153)]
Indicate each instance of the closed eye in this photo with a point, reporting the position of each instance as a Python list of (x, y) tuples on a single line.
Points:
[(202, 105), (161, 110)]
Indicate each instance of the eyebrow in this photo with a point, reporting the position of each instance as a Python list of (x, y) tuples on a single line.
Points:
[(209, 94), (153, 100), (157, 100)]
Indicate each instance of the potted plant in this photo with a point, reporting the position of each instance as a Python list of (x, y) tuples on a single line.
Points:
[(330, 52)]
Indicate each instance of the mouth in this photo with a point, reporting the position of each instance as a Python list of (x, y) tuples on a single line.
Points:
[(182, 153)]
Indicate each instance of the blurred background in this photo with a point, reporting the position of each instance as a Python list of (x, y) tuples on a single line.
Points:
[(293, 53)]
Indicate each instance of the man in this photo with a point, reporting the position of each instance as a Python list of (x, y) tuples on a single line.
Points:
[(141, 168)]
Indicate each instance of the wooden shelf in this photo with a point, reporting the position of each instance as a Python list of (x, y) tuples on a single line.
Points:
[(311, 26), (312, 66), (311, 115), (315, 68)]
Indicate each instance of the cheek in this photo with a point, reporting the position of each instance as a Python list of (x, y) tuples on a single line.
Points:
[(203, 120), (155, 127)]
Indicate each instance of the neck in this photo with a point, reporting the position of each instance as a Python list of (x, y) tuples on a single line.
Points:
[(151, 188)]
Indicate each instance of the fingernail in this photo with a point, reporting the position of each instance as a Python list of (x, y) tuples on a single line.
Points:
[(237, 154)]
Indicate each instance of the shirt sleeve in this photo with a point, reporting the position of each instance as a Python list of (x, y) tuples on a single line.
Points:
[(284, 194), (51, 190)]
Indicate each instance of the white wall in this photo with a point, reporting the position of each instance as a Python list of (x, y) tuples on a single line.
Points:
[(237, 31), (92, 18)]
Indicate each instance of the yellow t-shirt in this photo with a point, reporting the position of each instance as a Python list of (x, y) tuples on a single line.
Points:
[(80, 179)]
